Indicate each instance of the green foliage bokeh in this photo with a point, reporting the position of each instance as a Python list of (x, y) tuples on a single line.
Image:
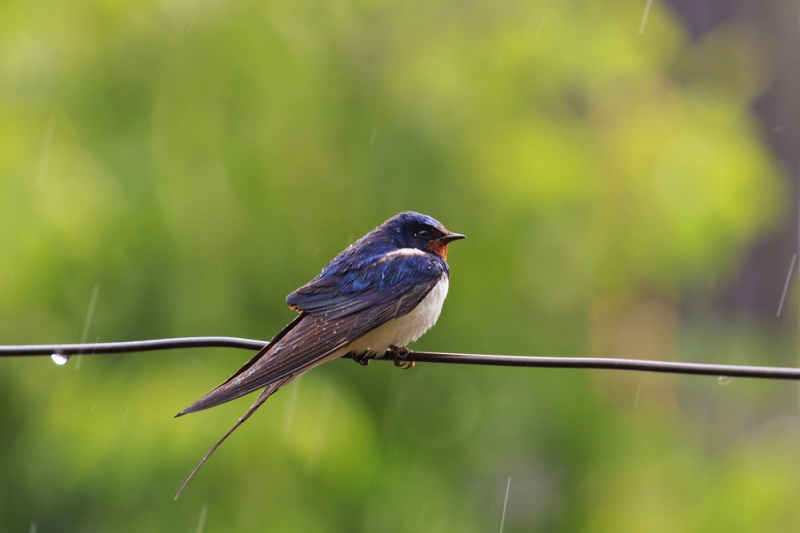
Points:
[(199, 160)]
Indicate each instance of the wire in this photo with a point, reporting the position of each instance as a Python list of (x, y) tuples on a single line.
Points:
[(420, 357), (102, 348)]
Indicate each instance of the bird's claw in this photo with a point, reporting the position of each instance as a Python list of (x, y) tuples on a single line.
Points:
[(399, 357), (362, 359)]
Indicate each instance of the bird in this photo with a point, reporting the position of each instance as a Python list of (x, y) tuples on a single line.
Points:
[(381, 293)]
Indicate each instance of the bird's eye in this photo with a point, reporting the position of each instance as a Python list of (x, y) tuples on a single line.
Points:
[(424, 234)]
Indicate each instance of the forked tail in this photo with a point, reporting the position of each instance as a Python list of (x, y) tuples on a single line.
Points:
[(266, 393)]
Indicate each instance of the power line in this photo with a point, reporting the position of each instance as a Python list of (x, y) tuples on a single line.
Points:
[(665, 367)]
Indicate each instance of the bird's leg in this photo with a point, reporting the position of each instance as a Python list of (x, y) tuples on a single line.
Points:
[(361, 359), (399, 357)]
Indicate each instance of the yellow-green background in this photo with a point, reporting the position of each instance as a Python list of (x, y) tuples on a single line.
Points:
[(197, 160)]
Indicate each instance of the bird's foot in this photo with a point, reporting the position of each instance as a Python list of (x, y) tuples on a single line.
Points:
[(361, 359), (400, 356)]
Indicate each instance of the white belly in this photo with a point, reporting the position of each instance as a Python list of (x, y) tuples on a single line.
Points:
[(401, 331)]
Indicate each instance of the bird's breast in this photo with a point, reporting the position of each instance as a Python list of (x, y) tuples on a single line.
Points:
[(407, 328)]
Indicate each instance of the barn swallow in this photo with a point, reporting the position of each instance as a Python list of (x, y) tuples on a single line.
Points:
[(381, 293)]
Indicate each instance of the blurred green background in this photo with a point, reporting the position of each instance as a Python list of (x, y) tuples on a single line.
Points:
[(625, 175)]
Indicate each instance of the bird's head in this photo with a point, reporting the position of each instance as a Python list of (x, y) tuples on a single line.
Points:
[(415, 230)]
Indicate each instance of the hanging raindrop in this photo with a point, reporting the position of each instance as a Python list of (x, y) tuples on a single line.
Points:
[(60, 359)]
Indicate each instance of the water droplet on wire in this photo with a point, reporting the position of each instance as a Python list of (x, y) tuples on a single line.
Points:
[(724, 380), (60, 359)]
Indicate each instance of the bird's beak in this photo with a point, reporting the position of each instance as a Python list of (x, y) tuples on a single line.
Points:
[(452, 237)]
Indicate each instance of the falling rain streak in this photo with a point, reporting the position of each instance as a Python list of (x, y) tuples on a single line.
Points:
[(202, 524), (323, 417), (505, 505), (90, 313), (786, 286), (540, 29), (644, 17), (88, 321), (290, 409)]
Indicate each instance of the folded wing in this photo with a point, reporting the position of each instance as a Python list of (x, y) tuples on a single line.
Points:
[(339, 306)]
